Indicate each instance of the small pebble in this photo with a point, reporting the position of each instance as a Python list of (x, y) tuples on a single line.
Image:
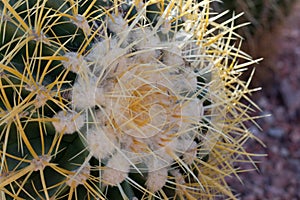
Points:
[(276, 132), (284, 152)]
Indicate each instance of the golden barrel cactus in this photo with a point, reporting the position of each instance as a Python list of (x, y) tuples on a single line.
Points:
[(120, 100)]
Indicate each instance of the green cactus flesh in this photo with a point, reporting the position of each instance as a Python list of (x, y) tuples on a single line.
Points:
[(105, 99)]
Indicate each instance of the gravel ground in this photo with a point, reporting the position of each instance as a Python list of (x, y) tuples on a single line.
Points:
[(278, 175)]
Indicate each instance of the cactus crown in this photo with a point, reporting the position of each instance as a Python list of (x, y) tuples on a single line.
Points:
[(119, 100)]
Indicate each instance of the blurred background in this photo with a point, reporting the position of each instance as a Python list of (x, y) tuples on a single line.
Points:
[(274, 34)]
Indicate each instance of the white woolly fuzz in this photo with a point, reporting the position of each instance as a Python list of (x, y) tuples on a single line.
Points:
[(116, 170), (83, 93), (101, 144), (114, 60), (179, 179), (79, 178), (185, 82), (166, 26), (138, 4), (116, 23), (119, 162), (173, 57), (147, 45), (157, 179), (81, 22), (68, 122), (113, 177), (145, 38), (75, 62), (192, 111), (100, 97), (98, 51), (42, 94), (40, 163), (41, 99), (159, 159), (191, 153), (109, 57)]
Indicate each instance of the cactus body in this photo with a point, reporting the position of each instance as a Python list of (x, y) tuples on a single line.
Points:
[(119, 100)]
